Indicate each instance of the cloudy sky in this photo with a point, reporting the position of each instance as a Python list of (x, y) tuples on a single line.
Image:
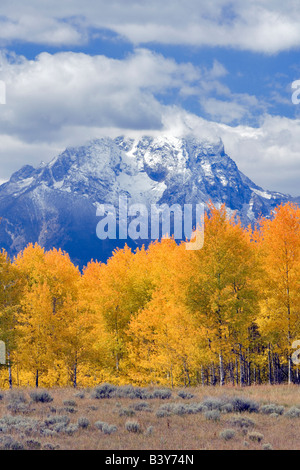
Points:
[(77, 70)]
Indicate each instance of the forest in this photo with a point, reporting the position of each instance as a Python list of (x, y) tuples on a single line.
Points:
[(228, 313)]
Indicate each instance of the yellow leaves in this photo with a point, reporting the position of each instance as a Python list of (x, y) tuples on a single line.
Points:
[(162, 339), (158, 315), (279, 251)]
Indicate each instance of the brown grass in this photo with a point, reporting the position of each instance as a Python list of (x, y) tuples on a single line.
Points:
[(187, 432)]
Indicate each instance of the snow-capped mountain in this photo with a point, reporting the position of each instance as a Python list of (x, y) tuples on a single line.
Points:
[(55, 204)]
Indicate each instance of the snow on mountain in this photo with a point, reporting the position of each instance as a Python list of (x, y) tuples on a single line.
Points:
[(55, 204)]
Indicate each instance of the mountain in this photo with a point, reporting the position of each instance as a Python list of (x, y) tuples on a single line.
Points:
[(55, 204)]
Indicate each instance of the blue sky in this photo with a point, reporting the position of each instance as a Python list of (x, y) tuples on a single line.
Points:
[(78, 70)]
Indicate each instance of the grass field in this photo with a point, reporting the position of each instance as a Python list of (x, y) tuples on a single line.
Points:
[(128, 418)]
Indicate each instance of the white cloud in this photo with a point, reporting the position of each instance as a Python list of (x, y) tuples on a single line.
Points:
[(65, 99), (54, 99), (266, 26), (268, 154)]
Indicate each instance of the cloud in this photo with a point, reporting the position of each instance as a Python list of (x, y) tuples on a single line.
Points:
[(65, 99), (61, 98), (258, 25), (268, 154), (69, 89)]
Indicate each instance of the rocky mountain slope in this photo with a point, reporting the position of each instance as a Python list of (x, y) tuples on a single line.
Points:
[(55, 204)]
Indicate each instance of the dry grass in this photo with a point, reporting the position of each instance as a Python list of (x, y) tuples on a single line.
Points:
[(171, 432)]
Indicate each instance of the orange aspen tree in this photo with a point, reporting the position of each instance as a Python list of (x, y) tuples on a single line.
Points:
[(10, 294), (278, 240), (51, 287), (222, 295)]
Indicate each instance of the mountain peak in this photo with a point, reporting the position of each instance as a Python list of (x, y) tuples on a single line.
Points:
[(55, 204)]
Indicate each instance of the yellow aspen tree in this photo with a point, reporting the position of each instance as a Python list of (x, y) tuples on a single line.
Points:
[(278, 241), (35, 353), (222, 295), (161, 336), (57, 278), (10, 293), (162, 348), (118, 289)]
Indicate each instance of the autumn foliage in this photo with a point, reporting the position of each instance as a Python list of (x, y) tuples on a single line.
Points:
[(228, 313)]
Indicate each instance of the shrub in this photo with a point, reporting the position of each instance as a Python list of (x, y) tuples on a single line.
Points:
[(99, 425), (255, 436), (41, 396), (16, 445), (18, 397), (162, 393), (16, 407), (195, 408), (212, 415), (109, 428), (17, 403), (293, 412), (71, 429), (132, 426), (56, 423), (161, 413), (105, 390), (141, 406), (3, 427), (185, 395), (48, 433), (126, 412), (70, 409), (227, 434), (271, 409), (129, 391), (241, 404), (227, 408), (71, 403), (179, 409), (149, 430), (19, 424), (80, 395), (241, 422), (33, 445), (6, 442), (83, 422), (49, 446), (105, 427), (267, 446), (213, 403)]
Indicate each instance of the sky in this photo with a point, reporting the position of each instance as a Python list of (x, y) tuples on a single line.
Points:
[(75, 71)]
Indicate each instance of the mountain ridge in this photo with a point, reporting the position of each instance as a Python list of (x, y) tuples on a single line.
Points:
[(55, 204)]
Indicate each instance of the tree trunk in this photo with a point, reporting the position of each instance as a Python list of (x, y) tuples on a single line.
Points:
[(222, 376), (237, 370), (213, 376), (242, 377), (202, 376), (231, 373), (37, 378), (9, 370), (269, 365), (75, 374), (290, 369)]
